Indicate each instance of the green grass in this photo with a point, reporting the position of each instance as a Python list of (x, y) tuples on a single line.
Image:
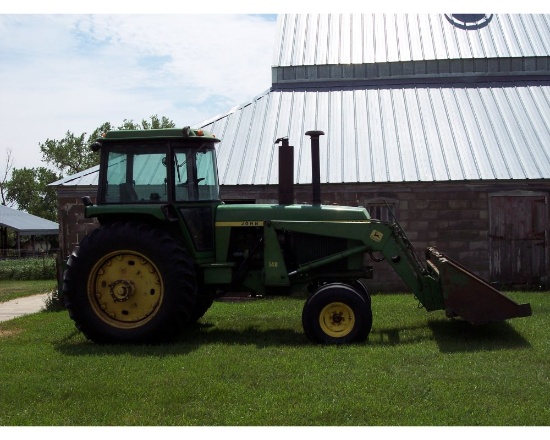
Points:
[(28, 269), (249, 364), (12, 289)]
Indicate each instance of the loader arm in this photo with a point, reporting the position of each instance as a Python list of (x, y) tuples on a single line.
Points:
[(372, 236), (439, 284)]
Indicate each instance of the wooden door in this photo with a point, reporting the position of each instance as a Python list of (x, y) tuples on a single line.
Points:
[(517, 239)]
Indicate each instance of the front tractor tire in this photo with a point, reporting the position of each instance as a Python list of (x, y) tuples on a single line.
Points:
[(129, 282), (337, 314)]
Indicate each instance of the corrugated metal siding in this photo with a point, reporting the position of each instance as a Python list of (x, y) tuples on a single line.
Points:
[(318, 39), (391, 134)]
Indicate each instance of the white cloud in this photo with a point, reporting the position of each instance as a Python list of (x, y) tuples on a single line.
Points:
[(74, 72)]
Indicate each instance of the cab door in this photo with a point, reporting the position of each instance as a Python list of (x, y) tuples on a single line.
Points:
[(196, 195)]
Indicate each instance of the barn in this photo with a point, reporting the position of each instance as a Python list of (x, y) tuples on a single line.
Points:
[(438, 121)]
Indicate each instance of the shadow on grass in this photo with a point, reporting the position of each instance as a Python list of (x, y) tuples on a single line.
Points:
[(454, 336), (189, 340), (451, 336), (403, 335)]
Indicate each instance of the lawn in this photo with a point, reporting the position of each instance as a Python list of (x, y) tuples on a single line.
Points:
[(12, 289), (249, 364)]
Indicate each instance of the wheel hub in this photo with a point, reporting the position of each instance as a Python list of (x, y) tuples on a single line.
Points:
[(121, 290), (337, 319), (125, 289)]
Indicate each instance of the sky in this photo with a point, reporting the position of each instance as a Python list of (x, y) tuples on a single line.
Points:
[(68, 72), (71, 66)]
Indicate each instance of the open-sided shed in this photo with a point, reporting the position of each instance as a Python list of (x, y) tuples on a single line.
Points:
[(23, 224)]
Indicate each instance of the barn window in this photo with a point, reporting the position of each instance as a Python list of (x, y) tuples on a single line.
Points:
[(382, 211)]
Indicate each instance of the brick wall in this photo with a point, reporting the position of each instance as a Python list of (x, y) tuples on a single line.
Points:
[(454, 217), (73, 227)]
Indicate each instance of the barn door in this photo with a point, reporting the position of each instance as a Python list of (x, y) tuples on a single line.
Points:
[(517, 238)]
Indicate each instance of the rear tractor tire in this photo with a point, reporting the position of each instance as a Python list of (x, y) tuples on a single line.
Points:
[(205, 299), (337, 314), (129, 282)]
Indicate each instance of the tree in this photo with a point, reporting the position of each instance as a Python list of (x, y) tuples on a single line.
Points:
[(155, 122), (4, 177), (5, 235), (28, 188), (72, 154)]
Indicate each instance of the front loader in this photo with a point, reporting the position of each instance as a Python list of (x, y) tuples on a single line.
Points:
[(167, 246)]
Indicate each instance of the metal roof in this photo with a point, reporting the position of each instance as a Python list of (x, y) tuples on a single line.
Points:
[(84, 178), (315, 39), (391, 134), (401, 98), (414, 47), (26, 224)]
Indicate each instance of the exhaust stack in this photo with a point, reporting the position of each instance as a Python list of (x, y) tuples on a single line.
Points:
[(286, 172), (315, 165)]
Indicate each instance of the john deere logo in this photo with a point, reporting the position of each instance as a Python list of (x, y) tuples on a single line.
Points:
[(376, 236), (469, 21)]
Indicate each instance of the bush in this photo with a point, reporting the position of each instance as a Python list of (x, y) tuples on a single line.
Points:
[(54, 301), (28, 269)]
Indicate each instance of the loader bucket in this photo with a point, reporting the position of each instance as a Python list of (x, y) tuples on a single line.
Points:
[(470, 297)]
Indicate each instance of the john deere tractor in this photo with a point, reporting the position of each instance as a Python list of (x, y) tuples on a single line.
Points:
[(167, 246)]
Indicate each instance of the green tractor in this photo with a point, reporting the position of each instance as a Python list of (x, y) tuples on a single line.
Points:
[(167, 246)]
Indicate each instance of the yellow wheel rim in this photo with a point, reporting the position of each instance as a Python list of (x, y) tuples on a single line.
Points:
[(337, 319), (125, 289)]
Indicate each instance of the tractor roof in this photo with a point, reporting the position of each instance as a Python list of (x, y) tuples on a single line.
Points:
[(161, 133)]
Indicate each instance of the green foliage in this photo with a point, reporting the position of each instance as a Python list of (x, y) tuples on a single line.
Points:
[(248, 363), (28, 269), (28, 188), (69, 155), (72, 154), (154, 123), (54, 301), (8, 238)]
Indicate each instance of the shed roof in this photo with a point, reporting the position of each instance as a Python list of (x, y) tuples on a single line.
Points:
[(26, 224), (83, 178)]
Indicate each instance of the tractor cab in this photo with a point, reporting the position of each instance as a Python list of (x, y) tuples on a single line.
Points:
[(137, 166), (167, 175)]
